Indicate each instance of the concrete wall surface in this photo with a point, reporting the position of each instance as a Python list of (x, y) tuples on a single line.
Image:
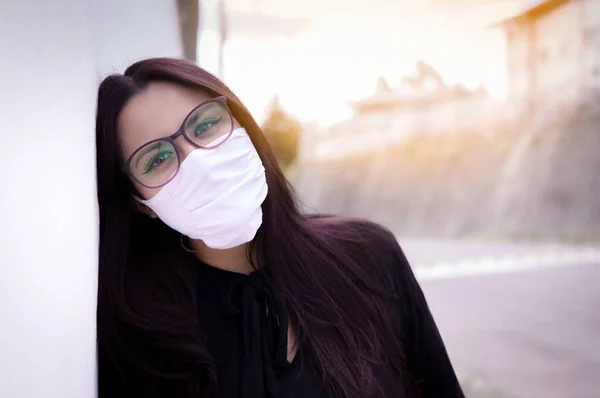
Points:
[(52, 55)]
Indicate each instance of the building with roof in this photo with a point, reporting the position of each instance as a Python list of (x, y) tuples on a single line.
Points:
[(422, 104), (553, 51)]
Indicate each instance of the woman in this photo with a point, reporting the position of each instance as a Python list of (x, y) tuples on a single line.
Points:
[(213, 284)]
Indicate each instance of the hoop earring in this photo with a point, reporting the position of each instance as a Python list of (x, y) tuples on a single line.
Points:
[(185, 248)]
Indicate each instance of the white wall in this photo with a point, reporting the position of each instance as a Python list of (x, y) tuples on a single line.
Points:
[(51, 56), (559, 53), (566, 52), (518, 44), (124, 31), (591, 10)]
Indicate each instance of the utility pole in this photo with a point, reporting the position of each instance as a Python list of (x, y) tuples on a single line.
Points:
[(223, 30), (188, 25)]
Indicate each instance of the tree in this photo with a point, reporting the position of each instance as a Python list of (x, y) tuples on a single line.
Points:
[(282, 131)]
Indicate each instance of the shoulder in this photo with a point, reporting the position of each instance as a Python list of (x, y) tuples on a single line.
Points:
[(352, 222), (368, 234), (373, 245)]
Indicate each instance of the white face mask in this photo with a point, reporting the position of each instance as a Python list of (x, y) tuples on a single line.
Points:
[(217, 194)]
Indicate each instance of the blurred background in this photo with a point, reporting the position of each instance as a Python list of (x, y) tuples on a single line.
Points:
[(470, 128)]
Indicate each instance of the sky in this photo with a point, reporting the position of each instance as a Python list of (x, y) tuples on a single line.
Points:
[(338, 58)]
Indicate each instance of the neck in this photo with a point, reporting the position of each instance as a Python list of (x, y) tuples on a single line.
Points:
[(234, 259)]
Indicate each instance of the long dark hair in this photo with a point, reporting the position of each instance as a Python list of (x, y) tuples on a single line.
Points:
[(148, 331)]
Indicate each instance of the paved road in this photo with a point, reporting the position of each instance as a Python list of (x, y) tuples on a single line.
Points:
[(427, 252), (527, 333)]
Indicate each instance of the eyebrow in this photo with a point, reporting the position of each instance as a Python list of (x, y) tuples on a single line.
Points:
[(139, 156), (195, 116)]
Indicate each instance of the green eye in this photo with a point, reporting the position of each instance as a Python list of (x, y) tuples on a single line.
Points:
[(205, 125), (157, 160)]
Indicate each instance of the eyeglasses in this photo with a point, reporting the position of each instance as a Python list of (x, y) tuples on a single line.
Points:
[(157, 162)]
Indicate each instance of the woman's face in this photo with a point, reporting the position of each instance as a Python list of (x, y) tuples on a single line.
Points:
[(158, 112)]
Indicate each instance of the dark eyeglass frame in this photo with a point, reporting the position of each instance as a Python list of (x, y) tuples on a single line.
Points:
[(181, 132)]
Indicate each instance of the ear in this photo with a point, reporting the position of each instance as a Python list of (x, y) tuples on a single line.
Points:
[(142, 208)]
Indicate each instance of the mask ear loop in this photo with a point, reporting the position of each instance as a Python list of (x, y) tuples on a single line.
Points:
[(185, 248)]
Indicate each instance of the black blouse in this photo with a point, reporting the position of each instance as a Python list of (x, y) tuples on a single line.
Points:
[(249, 343), (245, 322)]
